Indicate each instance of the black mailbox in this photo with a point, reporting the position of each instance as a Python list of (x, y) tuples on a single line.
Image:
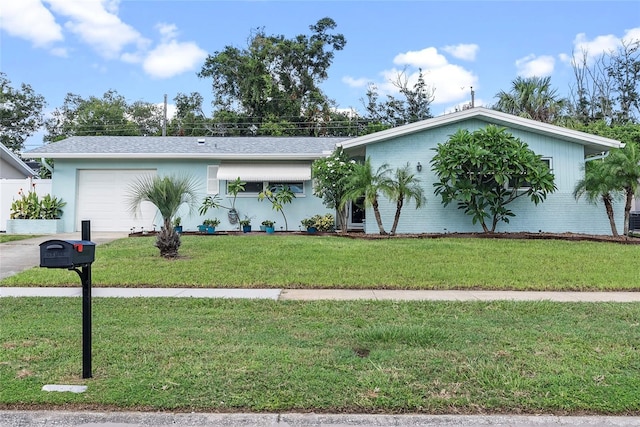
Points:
[(67, 253)]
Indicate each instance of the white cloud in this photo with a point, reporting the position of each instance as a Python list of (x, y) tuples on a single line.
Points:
[(585, 50), (632, 35), (30, 20), (60, 52), (425, 58), (173, 58), (535, 66), (95, 22), (168, 32), (357, 83), (451, 82), (466, 52)]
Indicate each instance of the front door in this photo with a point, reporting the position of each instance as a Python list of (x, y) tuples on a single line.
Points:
[(356, 215)]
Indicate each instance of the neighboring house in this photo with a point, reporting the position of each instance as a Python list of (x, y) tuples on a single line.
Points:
[(93, 175), (565, 150), (16, 175), (11, 167)]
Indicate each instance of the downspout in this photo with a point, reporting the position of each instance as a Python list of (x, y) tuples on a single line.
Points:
[(46, 165)]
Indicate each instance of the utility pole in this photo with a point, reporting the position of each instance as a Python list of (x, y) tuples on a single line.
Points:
[(164, 117)]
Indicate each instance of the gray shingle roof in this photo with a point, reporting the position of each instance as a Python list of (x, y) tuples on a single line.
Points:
[(187, 147)]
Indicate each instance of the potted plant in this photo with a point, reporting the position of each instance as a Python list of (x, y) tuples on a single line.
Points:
[(246, 225), (177, 224), (210, 225), (309, 224), (268, 226)]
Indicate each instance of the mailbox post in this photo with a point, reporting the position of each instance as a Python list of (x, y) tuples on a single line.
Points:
[(76, 255)]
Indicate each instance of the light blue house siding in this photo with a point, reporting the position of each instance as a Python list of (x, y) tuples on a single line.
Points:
[(559, 213), (67, 171)]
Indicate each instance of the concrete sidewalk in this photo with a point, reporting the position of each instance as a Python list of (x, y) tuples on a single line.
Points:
[(324, 294), (166, 419)]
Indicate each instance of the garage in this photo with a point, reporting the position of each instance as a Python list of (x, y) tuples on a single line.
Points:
[(103, 199)]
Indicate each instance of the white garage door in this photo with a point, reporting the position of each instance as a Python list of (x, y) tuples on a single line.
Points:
[(103, 199)]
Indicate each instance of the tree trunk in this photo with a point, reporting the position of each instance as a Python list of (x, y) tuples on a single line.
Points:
[(168, 241), (627, 210), (609, 207), (399, 204), (377, 215)]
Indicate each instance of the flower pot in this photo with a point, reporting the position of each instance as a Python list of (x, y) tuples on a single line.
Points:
[(270, 230), (311, 230), (246, 228), (178, 228), (263, 228), (211, 229), (202, 228)]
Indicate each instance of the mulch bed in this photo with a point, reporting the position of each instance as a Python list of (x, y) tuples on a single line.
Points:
[(360, 235)]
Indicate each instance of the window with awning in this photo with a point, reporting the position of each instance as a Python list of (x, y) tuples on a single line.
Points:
[(282, 172)]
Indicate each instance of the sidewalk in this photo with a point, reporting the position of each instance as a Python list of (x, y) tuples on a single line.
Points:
[(325, 294)]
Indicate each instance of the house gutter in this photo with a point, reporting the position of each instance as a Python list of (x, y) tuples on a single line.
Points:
[(601, 156)]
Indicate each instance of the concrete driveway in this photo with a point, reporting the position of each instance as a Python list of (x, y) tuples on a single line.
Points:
[(24, 254)]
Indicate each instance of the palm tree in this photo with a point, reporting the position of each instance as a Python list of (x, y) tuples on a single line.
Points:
[(168, 194), (624, 166), (598, 185), (404, 186), (531, 98), (364, 183)]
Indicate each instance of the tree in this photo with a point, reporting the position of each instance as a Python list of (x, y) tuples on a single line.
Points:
[(485, 170), (20, 113), (366, 184), (110, 115), (190, 119), (275, 76), (278, 197), (623, 166), (531, 98), (403, 186), (396, 112), (607, 87), (330, 182), (624, 163), (168, 194), (598, 185)]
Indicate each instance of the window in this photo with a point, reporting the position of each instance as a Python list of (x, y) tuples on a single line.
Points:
[(250, 188), (525, 185), (213, 184), (297, 187)]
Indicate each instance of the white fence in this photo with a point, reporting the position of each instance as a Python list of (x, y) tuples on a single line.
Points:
[(9, 189)]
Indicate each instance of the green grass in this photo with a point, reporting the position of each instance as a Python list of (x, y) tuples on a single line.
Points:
[(261, 261), (4, 238), (243, 355)]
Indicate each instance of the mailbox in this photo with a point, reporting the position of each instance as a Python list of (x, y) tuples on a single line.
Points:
[(67, 253)]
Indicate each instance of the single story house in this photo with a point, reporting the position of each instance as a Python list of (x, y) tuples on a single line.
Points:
[(93, 174), (565, 150)]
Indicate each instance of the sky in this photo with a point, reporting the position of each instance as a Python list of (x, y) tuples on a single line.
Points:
[(145, 49)]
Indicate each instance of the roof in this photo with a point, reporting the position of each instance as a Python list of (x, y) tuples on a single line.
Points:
[(592, 143), (9, 157), (174, 147)]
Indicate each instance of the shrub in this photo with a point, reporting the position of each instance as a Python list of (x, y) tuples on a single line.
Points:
[(30, 206)]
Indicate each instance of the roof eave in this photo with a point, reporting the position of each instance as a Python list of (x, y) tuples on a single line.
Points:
[(234, 156), (499, 117)]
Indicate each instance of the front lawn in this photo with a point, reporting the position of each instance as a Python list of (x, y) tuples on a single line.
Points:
[(4, 238), (293, 261), (323, 356)]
